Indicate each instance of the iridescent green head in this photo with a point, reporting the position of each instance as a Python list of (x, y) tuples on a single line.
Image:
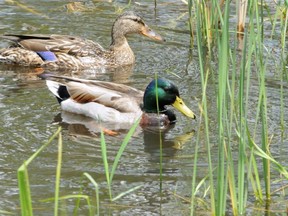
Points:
[(167, 93)]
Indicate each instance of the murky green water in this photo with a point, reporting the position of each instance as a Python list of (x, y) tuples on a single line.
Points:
[(30, 115)]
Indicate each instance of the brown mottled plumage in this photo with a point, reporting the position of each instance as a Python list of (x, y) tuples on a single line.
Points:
[(75, 52)]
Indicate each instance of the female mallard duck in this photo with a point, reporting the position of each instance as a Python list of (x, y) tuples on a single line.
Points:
[(63, 51), (118, 103)]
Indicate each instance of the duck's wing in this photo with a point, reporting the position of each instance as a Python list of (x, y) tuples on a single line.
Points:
[(120, 97), (56, 43)]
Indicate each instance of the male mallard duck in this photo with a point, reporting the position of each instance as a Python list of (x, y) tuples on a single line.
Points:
[(63, 51), (118, 103)]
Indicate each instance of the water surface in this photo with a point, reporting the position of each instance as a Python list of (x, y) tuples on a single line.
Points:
[(30, 114)]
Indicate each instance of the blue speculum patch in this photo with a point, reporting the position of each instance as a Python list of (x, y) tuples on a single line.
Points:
[(47, 55)]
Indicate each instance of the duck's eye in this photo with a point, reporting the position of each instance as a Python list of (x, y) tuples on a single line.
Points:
[(167, 90), (138, 20)]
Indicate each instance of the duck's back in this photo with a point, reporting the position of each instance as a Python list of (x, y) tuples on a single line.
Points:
[(58, 51)]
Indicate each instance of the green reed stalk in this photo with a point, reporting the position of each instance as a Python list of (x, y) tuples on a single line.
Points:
[(231, 180), (262, 97), (204, 113), (77, 203), (284, 70), (109, 175), (209, 15), (244, 162), (127, 192), (230, 130), (105, 162), (58, 174), (253, 51), (223, 44), (250, 44), (264, 137), (24, 191), (123, 145), (87, 175), (77, 197), (193, 188), (242, 138), (160, 139), (194, 185), (23, 180), (253, 173), (2, 212)]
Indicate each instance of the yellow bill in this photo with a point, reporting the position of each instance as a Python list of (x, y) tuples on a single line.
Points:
[(180, 105)]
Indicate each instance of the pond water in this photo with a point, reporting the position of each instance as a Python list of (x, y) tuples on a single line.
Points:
[(30, 114)]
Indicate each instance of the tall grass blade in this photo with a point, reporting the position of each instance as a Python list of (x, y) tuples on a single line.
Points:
[(231, 121), (204, 113), (160, 138), (249, 51), (105, 162), (58, 174), (194, 187), (24, 191), (96, 191), (110, 175), (262, 104), (127, 192), (253, 175), (284, 71), (267, 155), (242, 188), (221, 106), (23, 180), (265, 147), (2, 212), (76, 196), (122, 148)]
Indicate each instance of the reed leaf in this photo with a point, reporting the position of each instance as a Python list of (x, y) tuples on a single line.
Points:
[(23, 179), (58, 174), (24, 191), (122, 148), (203, 113), (87, 175), (2, 212), (223, 44), (242, 158), (105, 162), (127, 192), (76, 196)]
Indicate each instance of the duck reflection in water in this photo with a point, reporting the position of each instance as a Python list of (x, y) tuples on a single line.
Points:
[(170, 144), (79, 125)]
